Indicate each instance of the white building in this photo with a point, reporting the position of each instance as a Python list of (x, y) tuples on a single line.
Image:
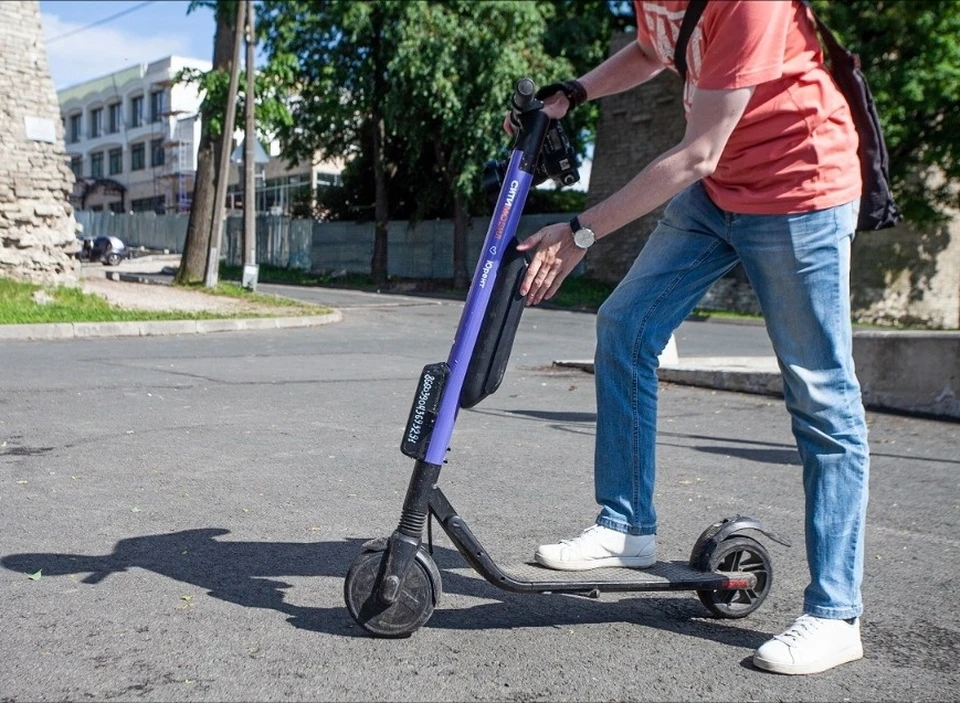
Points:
[(132, 137)]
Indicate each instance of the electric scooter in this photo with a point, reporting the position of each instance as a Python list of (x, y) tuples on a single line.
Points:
[(393, 585)]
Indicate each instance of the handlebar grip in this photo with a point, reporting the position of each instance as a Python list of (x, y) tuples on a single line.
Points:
[(524, 93)]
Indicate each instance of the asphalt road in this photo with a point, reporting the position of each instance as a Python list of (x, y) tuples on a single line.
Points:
[(188, 507)]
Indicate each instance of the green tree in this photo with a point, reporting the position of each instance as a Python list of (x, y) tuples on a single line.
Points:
[(411, 93), (455, 74), (333, 57), (910, 53), (580, 32)]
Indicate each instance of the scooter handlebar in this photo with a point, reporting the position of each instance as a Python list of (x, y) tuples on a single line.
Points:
[(524, 93)]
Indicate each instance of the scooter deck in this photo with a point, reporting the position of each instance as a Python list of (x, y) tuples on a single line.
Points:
[(662, 576)]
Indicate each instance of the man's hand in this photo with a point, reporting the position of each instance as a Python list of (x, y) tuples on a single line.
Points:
[(555, 258), (554, 107)]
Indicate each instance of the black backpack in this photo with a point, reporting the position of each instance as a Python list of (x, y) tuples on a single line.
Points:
[(878, 210)]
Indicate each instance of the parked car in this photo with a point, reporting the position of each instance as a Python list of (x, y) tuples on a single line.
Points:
[(109, 251)]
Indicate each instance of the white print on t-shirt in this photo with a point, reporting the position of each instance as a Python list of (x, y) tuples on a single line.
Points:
[(663, 26)]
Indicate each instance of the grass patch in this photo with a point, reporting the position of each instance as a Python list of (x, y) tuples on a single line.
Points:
[(228, 289), (581, 294), (291, 277), (574, 294), (20, 304), (24, 303)]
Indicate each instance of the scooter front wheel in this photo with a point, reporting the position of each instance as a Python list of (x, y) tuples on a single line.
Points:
[(737, 554), (413, 606)]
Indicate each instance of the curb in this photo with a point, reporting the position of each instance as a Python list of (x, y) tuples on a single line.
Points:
[(759, 375), (89, 330)]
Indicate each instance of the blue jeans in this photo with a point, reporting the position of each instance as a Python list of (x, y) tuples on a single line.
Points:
[(799, 267)]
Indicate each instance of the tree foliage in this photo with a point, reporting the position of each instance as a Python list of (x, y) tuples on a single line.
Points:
[(910, 53), (440, 86)]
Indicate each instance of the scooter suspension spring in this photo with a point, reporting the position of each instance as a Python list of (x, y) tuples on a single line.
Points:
[(412, 523)]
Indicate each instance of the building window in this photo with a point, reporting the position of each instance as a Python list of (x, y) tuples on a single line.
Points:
[(76, 165), (96, 165), (116, 207), (156, 152), (138, 160), (116, 161), (136, 111), (157, 107), (114, 119), (96, 123), (76, 128), (157, 205)]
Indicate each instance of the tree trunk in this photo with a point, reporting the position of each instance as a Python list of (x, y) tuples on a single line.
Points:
[(193, 262), (381, 210), (378, 265), (461, 218)]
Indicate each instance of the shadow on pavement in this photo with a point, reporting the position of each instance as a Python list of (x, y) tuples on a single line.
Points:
[(250, 574)]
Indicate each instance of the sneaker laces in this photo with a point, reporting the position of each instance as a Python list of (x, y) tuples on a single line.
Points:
[(801, 629), (574, 542)]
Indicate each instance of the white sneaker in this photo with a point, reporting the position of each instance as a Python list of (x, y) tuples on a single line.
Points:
[(811, 645), (599, 546)]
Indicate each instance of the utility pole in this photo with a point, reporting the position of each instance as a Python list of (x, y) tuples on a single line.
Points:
[(250, 268), (223, 172)]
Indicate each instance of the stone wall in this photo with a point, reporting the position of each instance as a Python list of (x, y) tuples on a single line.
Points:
[(36, 221), (900, 276), (634, 128)]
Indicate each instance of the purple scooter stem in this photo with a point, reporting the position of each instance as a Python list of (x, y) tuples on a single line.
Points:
[(502, 230)]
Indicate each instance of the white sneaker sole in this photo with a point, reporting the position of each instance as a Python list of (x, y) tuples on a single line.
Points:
[(815, 667), (641, 562)]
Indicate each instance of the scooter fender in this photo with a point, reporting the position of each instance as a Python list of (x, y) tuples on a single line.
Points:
[(719, 531), (741, 523), (728, 527)]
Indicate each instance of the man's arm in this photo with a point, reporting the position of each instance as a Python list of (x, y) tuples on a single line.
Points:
[(713, 116), (632, 65)]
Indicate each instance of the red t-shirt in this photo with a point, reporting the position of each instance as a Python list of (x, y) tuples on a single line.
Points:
[(795, 148)]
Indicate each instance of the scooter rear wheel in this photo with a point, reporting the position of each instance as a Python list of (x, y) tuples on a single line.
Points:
[(415, 602), (738, 554)]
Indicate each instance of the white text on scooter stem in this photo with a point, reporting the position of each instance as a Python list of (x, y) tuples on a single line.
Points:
[(507, 207), (420, 409)]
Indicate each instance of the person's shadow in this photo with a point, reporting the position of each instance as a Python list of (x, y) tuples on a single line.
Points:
[(250, 574)]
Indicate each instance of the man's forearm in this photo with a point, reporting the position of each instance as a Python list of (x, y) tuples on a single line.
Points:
[(626, 69), (663, 178)]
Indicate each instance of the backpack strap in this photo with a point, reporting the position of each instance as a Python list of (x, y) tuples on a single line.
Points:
[(690, 18), (833, 45)]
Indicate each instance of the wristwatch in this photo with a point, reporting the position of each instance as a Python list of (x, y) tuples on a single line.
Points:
[(583, 237)]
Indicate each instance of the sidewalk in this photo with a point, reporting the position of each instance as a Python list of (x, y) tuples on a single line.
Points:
[(157, 270), (743, 374)]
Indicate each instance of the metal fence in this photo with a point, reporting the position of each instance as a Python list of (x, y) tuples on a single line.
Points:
[(422, 251)]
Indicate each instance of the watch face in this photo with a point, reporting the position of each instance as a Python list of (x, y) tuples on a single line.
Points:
[(584, 237)]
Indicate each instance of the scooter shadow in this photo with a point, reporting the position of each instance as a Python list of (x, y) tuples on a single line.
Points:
[(250, 574)]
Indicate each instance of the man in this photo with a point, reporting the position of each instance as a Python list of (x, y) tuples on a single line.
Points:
[(766, 175)]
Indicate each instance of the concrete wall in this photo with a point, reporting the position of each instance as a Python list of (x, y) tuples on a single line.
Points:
[(909, 371), (903, 276), (423, 251), (36, 221)]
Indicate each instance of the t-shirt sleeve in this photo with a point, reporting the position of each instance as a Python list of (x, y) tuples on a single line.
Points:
[(643, 36), (743, 42)]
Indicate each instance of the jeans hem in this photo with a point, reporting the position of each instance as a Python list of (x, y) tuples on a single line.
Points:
[(621, 526), (833, 613)]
